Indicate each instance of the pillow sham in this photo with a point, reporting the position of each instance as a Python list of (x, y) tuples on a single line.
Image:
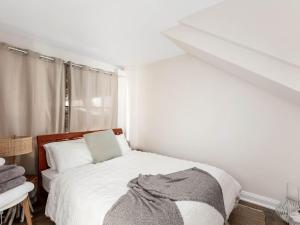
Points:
[(2, 161), (103, 145), (123, 144), (68, 154), (49, 157)]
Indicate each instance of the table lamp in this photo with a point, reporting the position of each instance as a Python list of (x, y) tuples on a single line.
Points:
[(12, 147)]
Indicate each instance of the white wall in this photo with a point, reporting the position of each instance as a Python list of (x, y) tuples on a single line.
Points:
[(186, 108)]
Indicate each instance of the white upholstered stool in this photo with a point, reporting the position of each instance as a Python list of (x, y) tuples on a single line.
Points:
[(14, 197)]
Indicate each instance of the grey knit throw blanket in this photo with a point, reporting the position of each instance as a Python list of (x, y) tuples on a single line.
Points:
[(11, 176), (151, 198)]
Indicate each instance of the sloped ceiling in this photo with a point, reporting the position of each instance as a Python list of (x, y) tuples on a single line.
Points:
[(114, 31), (255, 40), (268, 26)]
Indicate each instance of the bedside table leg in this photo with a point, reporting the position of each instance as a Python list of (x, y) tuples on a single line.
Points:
[(13, 215), (30, 206), (25, 205), (7, 216), (22, 216)]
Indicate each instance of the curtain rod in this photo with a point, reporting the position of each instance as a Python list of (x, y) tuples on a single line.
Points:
[(52, 59)]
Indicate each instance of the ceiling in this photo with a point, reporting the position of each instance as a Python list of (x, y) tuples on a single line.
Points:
[(268, 26), (255, 40), (115, 31)]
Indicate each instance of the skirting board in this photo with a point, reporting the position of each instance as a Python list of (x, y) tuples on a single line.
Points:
[(266, 202)]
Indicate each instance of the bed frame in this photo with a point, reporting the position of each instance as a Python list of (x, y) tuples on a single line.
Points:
[(45, 139)]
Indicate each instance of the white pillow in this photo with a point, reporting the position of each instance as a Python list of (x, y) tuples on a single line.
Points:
[(2, 161), (49, 157), (123, 144), (68, 154)]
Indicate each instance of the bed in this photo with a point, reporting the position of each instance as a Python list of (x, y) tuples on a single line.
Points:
[(84, 194)]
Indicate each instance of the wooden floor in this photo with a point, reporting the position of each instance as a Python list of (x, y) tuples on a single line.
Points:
[(242, 215)]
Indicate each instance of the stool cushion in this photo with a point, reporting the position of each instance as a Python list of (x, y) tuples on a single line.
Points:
[(15, 193)]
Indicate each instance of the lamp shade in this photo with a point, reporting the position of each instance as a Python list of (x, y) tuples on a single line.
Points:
[(15, 146)]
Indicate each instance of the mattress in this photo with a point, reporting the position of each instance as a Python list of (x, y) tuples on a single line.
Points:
[(83, 195), (47, 176)]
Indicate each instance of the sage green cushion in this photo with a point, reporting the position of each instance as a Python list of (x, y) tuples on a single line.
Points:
[(103, 145)]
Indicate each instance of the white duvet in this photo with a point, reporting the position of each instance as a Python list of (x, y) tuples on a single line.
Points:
[(82, 196)]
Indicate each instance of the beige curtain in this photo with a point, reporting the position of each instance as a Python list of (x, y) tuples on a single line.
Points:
[(32, 96), (93, 102)]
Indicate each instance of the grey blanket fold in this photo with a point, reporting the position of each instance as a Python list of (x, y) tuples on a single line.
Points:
[(10, 172), (151, 198), (6, 167), (6, 186)]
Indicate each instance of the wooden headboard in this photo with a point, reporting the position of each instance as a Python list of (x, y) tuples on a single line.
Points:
[(45, 139)]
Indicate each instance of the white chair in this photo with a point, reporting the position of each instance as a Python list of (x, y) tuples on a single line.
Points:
[(12, 198)]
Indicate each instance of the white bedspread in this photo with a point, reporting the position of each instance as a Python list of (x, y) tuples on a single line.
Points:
[(82, 196)]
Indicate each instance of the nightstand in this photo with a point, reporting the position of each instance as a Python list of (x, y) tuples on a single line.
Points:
[(295, 218), (33, 179), (33, 195)]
